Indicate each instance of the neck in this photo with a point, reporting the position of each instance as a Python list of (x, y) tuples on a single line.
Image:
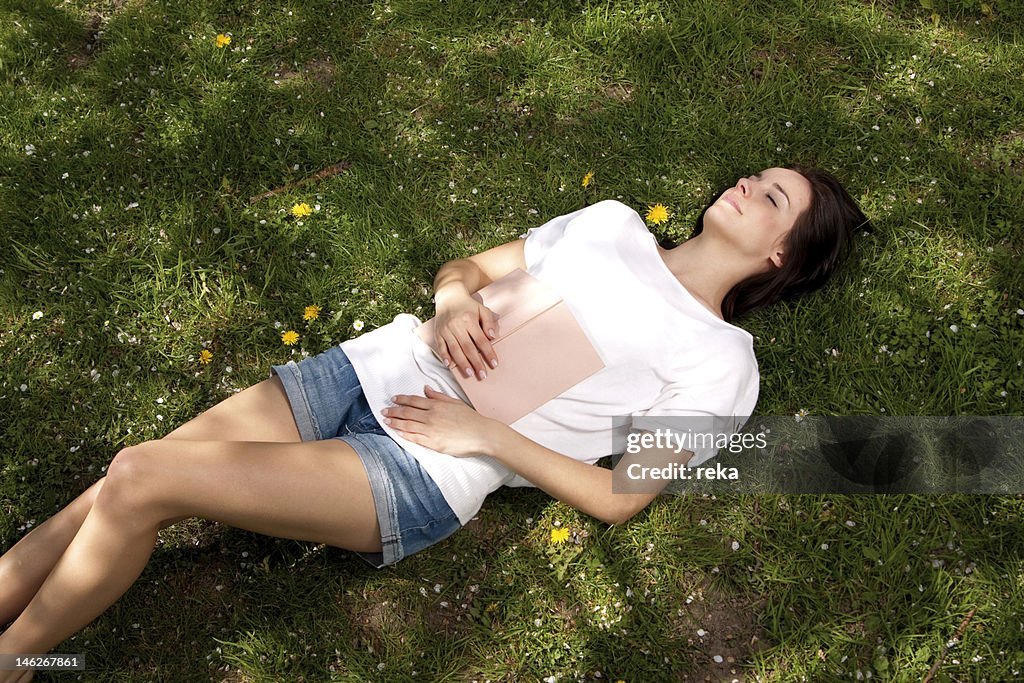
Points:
[(707, 268)]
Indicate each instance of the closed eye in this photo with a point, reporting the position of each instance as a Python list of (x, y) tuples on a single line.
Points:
[(772, 200)]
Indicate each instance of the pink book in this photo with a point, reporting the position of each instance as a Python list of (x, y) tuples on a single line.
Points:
[(542, 350)]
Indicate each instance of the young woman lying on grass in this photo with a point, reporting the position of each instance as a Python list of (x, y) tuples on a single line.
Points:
[(369, 446)]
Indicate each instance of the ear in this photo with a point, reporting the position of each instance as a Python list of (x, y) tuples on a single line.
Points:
[(777, 258)]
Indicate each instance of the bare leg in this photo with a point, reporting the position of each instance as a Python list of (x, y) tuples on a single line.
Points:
[(258, 413), (315, 491)]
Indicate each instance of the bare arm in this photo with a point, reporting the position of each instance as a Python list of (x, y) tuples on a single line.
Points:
[(463, 325), (587, 488)]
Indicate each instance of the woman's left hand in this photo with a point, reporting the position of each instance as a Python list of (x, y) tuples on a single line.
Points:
[(441, 423)]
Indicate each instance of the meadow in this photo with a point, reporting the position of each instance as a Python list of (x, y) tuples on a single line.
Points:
[(146, 274)]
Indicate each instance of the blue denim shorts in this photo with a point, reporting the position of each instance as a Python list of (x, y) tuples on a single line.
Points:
[(328, 403)]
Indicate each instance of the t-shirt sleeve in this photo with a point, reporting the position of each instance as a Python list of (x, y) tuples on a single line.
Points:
[(704, 404), (600, 219)]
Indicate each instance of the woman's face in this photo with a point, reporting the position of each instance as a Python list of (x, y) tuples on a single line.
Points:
[(759, 211)]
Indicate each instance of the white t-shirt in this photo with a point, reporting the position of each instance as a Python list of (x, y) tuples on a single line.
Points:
[(665, 355)]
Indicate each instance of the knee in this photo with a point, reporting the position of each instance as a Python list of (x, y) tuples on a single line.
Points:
[(127, 478)]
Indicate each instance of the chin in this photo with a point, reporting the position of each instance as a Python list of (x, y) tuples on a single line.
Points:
[(715, 222)]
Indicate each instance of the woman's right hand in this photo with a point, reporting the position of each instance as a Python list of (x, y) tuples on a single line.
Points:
[(463, 329)]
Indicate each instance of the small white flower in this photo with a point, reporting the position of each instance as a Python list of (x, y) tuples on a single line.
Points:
[(718, 659), (357, 325), (735, 545), (954, 328), (850, 523), (1020, 311), (30, 150), (824, 546), (701, 632), (537, 622), (37, 315)]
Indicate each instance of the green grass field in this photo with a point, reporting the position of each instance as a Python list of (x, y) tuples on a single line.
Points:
[(131, 144)]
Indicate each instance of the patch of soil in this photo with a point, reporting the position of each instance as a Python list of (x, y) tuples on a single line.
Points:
[(92, 40), (730, 631), (320, 70)]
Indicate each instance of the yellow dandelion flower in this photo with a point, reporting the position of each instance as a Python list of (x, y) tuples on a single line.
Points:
[(587, 178), (301, 210), (223, 40), (205, 356), (290, 337), (493, 607), (657, 214), (559, 535), (311, 313)]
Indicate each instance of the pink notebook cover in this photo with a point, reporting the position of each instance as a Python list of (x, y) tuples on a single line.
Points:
[(542, 350)]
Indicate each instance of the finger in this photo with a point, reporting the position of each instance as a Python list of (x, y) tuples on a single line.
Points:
[(489, 322), (459, 361), (471, 348), (442, 351), (486, 350), (404, 426), (415, 438), (419, 402), (434, 394)]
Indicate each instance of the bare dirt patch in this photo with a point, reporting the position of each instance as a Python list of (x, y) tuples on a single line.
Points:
[(84, 52), (720, 624), (320, 70), (612, 94)]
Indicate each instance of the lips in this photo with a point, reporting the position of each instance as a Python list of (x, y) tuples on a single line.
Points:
[(733, 204)]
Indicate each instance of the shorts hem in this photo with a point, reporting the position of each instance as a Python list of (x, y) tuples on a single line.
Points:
[(302, 412), (383, 500)]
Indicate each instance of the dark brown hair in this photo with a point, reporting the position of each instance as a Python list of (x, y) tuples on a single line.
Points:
[(820, 241)]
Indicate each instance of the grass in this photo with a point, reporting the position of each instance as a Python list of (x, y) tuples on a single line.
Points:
[(130, 145)]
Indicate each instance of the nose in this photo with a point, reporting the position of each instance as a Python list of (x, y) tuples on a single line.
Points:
[(744, 186)]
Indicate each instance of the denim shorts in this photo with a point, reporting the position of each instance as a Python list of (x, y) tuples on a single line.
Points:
[(328, 403)]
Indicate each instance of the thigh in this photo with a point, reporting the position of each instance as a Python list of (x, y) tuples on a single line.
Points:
[(258, 413), (310, 491)]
